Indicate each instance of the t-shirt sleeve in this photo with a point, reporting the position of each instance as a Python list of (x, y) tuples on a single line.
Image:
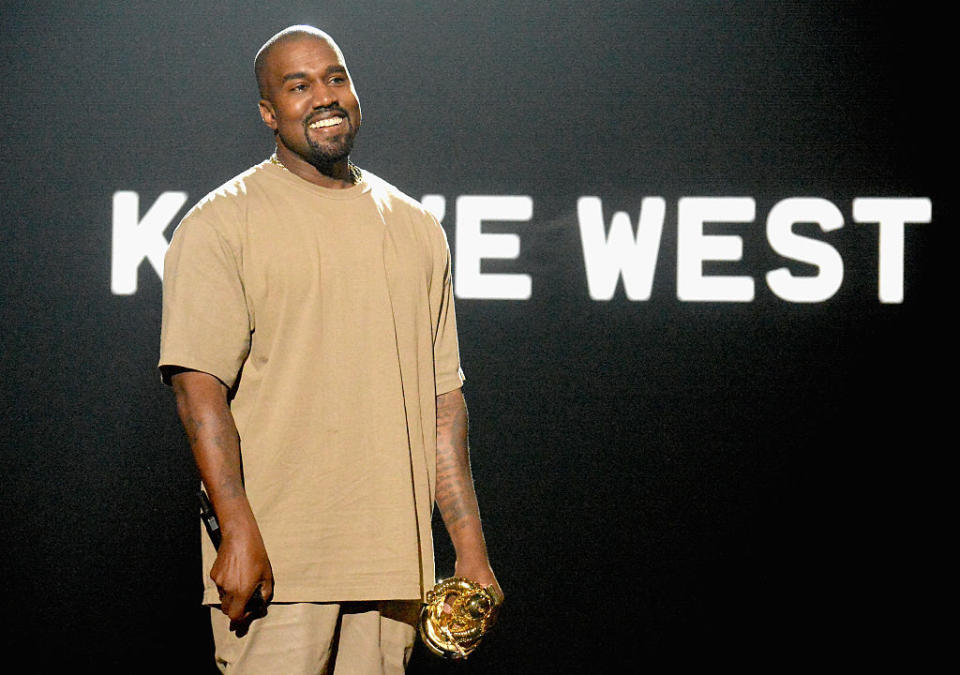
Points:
[(206, 325), (446, 352)]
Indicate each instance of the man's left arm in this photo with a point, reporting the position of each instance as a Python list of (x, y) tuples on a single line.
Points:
[(456, 497)]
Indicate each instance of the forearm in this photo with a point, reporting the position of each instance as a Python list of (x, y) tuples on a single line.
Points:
[(242, 564), (456, 496), (212, 433)]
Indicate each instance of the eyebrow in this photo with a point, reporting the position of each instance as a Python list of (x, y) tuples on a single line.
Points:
[(302, 75)]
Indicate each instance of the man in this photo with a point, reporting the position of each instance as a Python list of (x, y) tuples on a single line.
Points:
[(309, 335)]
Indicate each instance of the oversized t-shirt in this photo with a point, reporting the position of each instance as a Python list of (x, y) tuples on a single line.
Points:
[(329, 314)]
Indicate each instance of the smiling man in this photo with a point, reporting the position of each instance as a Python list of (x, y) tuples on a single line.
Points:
[(309, 335), (308, 99)]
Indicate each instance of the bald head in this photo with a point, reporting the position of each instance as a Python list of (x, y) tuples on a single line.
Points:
[(289, 34)]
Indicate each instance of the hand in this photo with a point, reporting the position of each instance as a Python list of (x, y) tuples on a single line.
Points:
[(241, 567), (479, 572)]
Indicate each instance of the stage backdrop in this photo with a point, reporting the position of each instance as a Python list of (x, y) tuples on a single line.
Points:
[(699, 249)]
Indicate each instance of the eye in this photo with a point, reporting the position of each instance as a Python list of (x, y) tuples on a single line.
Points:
[(298, 87)]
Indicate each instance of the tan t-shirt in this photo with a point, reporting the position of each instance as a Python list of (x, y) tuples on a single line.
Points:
[(330, 312)]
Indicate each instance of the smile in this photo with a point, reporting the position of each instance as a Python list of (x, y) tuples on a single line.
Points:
[(328, 122)]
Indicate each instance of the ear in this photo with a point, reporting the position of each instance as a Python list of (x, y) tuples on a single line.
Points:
[(267, 114)]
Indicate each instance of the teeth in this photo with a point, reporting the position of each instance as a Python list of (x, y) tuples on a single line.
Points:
[(329, 122)]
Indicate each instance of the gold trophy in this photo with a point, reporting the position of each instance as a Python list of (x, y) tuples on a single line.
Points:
[(456, 632)]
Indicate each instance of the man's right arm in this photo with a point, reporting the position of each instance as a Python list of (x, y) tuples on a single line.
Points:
[(242, 563)]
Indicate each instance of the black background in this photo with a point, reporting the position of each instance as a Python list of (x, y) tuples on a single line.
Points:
[(755, 484)]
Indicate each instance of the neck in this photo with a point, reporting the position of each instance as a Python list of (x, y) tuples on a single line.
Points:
[(340, 175)]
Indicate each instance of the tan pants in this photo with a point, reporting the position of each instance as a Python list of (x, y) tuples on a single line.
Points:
[(320, 638)]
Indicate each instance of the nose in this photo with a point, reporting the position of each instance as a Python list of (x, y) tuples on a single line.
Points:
[(324, 96)]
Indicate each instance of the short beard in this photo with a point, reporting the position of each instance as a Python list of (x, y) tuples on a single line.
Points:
[(325, 159)]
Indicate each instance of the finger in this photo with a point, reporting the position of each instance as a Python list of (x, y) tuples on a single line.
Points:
[(235, 606), (448, 602), (224, 600), (266, 589)]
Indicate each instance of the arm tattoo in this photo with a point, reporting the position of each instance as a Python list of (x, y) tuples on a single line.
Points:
[(215, 434), (456, 497)]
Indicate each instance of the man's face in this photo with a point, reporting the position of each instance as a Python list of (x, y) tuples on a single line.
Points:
[(311, 102)]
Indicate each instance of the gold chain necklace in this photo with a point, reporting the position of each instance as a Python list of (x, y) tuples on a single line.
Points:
[(356, 176)]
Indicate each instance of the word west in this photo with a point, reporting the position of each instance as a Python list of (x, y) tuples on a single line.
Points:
[(610, 251)]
